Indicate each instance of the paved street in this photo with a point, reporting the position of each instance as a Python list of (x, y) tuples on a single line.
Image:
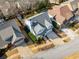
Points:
[(59, 52)]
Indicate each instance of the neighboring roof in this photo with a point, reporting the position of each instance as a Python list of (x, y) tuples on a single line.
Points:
[(66, 12), (48, 24), (9, 32), (61, 12), (56, 12)]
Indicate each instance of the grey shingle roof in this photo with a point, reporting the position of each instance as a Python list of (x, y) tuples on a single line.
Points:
[(9, 31), (41, 18), (44, 22)]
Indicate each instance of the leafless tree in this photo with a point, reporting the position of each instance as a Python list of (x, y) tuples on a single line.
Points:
[(12, 7)]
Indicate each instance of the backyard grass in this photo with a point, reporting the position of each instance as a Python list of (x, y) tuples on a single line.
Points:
[(33, 38)]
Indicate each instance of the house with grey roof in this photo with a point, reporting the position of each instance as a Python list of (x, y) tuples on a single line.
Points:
[(41, 25), (10, 33)]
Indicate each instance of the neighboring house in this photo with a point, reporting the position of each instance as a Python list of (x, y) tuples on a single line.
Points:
[(62, 13), (56, 12), (10, 33), (41, 25), (66, 12)]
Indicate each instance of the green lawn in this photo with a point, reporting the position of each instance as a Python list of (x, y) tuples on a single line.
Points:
[(33, 38)]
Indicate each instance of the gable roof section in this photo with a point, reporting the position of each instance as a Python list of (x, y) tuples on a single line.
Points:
[(56, 11), (39, 29), (12, 25), (40, 18), (48, 25), (9, 31), (61, 12), (66, 12)]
